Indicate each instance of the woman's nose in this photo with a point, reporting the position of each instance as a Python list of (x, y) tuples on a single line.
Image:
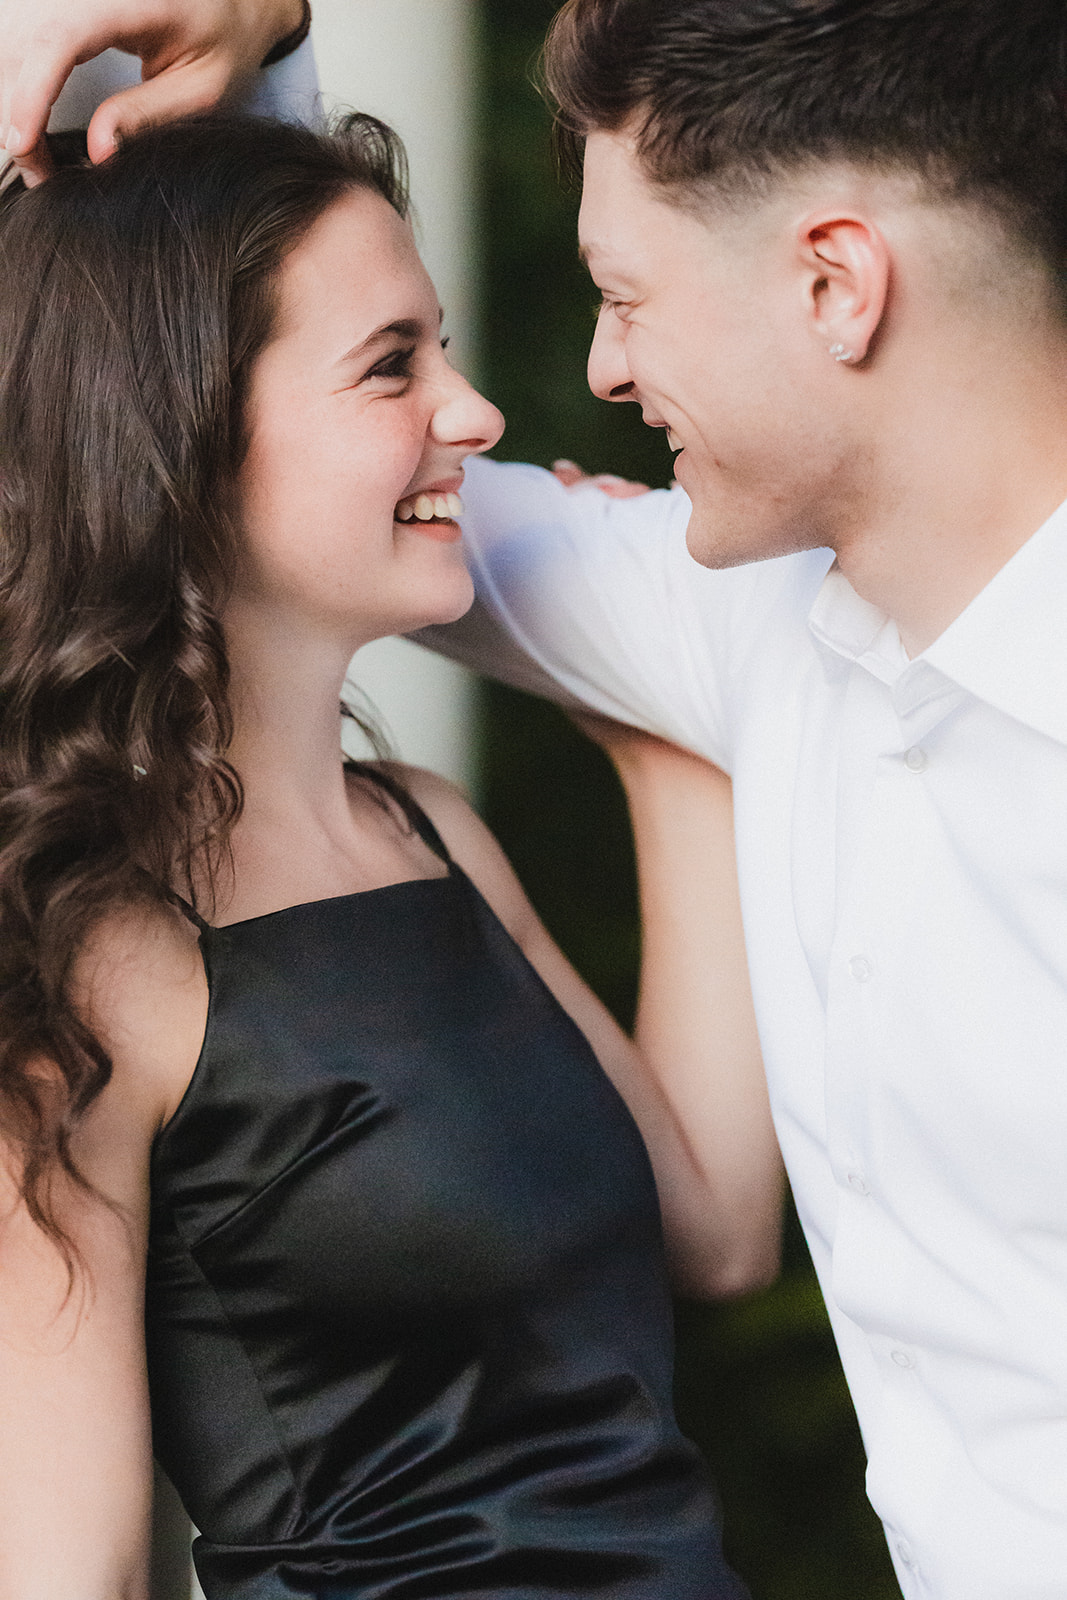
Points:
[(467, 417)]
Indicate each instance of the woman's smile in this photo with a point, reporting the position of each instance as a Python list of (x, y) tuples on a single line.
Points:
[(432, 510)]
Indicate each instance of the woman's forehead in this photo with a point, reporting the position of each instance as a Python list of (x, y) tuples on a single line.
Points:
[(358, 265)]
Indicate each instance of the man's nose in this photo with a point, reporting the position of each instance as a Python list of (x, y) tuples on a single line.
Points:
[(609, 375)]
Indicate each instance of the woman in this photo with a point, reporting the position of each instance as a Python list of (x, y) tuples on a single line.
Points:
[(288, 1031)]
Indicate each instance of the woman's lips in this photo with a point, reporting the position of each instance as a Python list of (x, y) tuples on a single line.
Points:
[(431, 514)]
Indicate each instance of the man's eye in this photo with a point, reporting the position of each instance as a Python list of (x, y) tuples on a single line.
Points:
[(396, 365)]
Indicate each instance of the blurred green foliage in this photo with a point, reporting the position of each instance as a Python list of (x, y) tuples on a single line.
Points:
[(759, 1385)]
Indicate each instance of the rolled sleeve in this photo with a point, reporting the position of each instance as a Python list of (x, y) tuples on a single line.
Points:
[(593, 602)]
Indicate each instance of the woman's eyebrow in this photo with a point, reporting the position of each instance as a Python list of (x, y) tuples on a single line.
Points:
[(409, 328)]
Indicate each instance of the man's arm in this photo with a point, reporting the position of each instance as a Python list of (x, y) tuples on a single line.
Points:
[(193, 53), (594, 601)]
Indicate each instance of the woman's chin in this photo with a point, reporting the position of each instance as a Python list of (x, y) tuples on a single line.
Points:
[(460, 602), (451, 600)]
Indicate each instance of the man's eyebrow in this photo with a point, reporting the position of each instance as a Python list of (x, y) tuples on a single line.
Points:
[(409, 328), (594, 257)]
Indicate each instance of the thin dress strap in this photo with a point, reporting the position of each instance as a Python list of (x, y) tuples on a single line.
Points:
[(411, 809), (188, 911)]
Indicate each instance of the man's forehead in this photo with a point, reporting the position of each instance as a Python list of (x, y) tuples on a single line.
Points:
[(612, 174), (617, 200)]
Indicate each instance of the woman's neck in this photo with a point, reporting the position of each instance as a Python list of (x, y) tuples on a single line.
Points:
[(303, 834), (285, 684)]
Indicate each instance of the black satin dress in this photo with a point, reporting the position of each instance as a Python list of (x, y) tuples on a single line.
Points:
[(409, 1333)]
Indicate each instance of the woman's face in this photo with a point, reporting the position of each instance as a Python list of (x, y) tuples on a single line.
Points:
[(358, 431)]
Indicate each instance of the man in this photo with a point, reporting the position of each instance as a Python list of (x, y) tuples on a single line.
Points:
[(830, 238), (831, 242)]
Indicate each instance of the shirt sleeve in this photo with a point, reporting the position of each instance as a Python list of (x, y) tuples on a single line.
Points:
[(595, 602), (288, 90)]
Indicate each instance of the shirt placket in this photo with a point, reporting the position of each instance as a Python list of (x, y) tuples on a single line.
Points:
[(880, 803)]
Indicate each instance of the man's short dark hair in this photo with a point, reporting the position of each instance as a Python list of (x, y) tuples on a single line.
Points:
[(733, 94)]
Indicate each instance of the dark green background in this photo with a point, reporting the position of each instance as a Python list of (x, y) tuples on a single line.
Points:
[(759, 1385)]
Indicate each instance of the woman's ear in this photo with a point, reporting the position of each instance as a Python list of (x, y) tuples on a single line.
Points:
[(846, 272)]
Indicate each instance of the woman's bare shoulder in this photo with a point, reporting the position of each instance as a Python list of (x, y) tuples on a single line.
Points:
[(139, 984), (446, 805), (75, 1450), (472, 844)]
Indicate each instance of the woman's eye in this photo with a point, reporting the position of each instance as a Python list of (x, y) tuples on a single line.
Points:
[(397, 365)]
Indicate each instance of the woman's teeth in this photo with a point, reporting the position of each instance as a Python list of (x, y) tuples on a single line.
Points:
[(430, 508)]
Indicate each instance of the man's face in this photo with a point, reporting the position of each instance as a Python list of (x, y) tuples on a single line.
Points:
[(705, 325)]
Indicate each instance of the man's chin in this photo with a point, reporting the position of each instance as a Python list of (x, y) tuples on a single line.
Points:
[(721, 535), (713, 541)]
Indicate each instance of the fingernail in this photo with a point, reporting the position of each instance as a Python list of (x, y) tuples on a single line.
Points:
[(565, 466), (12, 141)]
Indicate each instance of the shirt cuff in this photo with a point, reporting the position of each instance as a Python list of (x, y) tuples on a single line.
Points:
[(291, 42)]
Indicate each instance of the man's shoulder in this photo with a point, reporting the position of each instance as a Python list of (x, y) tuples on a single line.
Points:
[(535, 522)]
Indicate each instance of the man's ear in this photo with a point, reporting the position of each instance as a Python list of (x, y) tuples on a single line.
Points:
[(846, 272)]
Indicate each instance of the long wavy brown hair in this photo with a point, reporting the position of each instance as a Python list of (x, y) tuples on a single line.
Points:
[(137, 296)]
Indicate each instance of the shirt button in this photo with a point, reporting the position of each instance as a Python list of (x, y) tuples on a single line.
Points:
[(902, 1358), (916, 760), (860, 968), (857, 1182), (904, 1552)]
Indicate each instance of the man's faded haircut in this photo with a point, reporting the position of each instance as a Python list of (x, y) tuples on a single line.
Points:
[(730, 96)]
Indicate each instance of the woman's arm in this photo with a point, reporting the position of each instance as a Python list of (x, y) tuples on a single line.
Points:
[(714, 1250), (696, 1027), (75, 1443)]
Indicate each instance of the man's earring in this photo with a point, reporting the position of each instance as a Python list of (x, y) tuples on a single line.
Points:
[(840, 353)]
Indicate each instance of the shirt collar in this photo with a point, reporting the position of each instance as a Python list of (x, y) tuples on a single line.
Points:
[(848, 628), (1008, 648)]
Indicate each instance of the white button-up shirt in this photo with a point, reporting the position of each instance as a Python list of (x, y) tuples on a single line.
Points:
[(902, 849)]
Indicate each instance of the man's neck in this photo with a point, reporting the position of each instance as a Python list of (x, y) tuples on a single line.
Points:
[(967, 471)]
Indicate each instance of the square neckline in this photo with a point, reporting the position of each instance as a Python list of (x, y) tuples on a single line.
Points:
[(416, 816)]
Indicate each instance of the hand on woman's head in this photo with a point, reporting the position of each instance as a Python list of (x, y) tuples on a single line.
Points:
[(193, 54)]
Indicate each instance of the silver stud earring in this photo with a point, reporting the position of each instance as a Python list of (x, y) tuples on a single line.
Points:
[(840, 353)]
